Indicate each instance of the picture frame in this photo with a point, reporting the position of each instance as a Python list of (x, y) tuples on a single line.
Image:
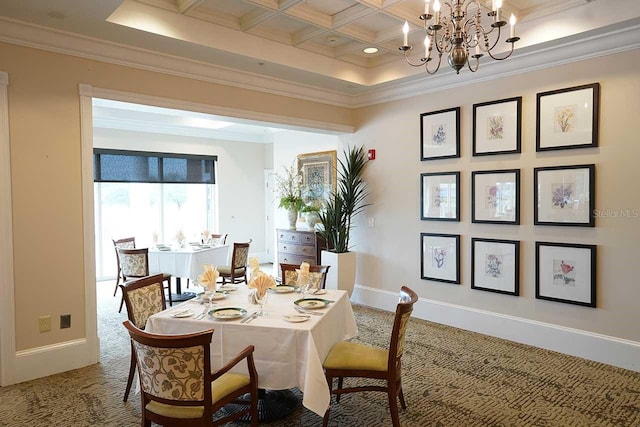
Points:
[(497, 127), (440, 257), (319, 175), (495, 265), (566, 272), (440, 134), (439, 196), (495, 196), (564, 195), (568, 118)]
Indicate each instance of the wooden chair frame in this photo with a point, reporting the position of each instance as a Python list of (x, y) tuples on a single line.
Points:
[(220, 236), (392, 375), (166, 277), (115, 247), (126, 288), (232, 278), (191, 340), (324, 269)]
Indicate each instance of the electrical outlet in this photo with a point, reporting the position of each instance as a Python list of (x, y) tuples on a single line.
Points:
[(65, 321), (44, 324)]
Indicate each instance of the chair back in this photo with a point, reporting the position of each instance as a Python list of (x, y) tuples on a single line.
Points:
[(174, 369), (221, 239), (126, 243), (143, 298), (134, 262), (240, 255), (403, 313), (317, 275)]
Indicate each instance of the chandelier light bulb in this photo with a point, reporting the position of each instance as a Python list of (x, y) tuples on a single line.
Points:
[(426, 6), (427, 41), (436, 6), (512, 21), (405, 33)]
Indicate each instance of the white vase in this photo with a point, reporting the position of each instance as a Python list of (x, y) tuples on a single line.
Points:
[(342, 274), (293, 218)]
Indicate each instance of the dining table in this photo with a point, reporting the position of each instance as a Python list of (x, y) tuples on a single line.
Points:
[(187, 262), (291, 340)]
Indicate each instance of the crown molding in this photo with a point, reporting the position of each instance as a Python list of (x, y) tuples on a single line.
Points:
[(592, 44), (4, 78), (567, 50), (39, 37)]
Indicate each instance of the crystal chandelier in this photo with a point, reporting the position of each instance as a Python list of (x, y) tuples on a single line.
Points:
[(459, 33)]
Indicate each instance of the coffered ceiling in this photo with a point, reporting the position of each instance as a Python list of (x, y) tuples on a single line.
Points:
[(309, 48)]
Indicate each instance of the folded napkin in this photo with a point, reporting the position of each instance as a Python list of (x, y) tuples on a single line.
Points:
[(209, 278), (303, 274), (254, 265), (261, 283)]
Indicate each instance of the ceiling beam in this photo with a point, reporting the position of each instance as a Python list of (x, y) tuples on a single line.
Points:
[(185, 5), (255, 17), (307, 33), (350, 15)]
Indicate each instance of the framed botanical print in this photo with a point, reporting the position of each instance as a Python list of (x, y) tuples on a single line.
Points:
[(564, 195), (568, 118), (439, 196), (495, 265), (318, 171), (497, 127), (440, 257), (440, 134), (566, 273), (495, 196)]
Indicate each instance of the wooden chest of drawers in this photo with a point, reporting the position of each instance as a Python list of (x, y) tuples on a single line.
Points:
[(297, 246)]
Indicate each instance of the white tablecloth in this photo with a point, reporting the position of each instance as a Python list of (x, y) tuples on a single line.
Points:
[(187, 262), (287, 354)]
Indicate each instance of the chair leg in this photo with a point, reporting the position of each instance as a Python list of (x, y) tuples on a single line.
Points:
[(121, 304), (254, 407), (339, 387), (325, 419), (401, 396), (117, 282), (393, 405), (132, 370), (169, 292)]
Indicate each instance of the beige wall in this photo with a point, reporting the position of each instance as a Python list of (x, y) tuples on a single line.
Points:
[(389, 253), (44, 121)]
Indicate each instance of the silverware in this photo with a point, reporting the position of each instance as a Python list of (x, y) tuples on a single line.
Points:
[(303, 311), (249, 317), (204, 313), (253, 316)]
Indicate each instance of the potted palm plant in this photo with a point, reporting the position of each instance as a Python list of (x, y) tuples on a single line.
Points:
[(336, 219)]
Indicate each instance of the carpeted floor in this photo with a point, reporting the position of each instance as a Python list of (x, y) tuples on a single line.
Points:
[(451, 378)]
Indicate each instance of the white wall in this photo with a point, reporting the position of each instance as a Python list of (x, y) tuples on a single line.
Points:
[(240, 176), (389, 254)]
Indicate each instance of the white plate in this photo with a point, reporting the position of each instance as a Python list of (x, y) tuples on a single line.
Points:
[(228, 287), (283, 289), (181, 314), (218, 296), (227, 313), (296, 318)]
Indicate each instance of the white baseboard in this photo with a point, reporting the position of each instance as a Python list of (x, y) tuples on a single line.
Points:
[(51, 359), (588, 345)]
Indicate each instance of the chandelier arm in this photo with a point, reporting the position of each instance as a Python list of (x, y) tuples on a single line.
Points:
[(503, 58), (495, 43), (420, 64), (426, 66), (477, 65)]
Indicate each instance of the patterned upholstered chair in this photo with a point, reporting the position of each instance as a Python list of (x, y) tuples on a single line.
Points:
[(317, 275), (177, 385), (135, 264), (126, 243), (237, 271), (348, 359), (143, 298)]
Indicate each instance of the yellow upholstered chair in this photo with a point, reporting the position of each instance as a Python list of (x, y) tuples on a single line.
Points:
[(126, 243), (177, 385), (143, 298), (317, 275), (348, 359), (237, 271), (135, 264)]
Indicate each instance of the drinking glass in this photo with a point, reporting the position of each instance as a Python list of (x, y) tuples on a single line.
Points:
[(262, 300)]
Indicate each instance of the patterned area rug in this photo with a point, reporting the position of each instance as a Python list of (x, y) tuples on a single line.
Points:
[(451, 378)]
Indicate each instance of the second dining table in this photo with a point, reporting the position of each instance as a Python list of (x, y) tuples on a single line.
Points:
[(286, 354)]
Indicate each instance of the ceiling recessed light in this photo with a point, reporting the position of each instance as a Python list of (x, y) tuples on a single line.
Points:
[(370, 50)]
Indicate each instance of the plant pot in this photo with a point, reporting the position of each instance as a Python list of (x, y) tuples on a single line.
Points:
[(342, 274), (293, 218)]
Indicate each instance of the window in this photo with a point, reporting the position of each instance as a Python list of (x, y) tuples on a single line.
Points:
[(152, 197)]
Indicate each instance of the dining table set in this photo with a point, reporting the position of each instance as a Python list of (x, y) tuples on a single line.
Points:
[(292, 333)]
